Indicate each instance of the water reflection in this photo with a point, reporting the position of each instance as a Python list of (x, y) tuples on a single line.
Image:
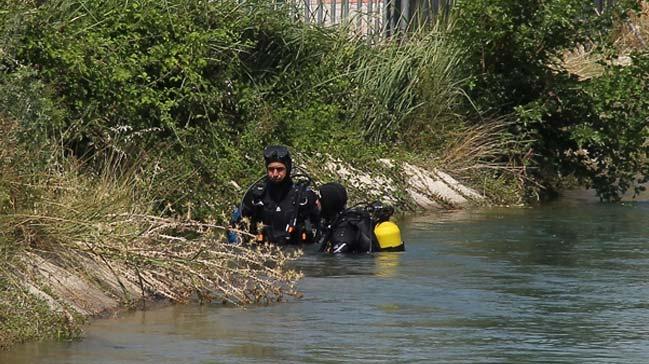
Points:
[(387, 264), (333, 266)]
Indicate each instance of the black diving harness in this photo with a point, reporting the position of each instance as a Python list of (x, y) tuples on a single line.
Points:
[(375, 211), (301, 181)]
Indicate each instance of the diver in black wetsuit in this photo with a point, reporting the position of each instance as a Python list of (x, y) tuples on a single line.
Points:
[(342, 230), (286, 210)]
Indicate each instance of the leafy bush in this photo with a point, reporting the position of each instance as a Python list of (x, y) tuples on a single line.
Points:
[(612, 142), (514, 53), (201, 88)]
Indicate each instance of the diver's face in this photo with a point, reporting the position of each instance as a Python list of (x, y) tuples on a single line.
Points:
[(276, 172)]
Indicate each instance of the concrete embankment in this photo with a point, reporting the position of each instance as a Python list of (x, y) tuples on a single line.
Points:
[(403, 183)]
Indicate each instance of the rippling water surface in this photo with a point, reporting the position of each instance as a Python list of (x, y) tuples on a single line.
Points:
[(563, 283)]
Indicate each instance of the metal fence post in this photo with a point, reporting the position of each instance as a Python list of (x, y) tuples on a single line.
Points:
[(307, 11), (404, 17), (345, 11), (370, 17), (358, 13)]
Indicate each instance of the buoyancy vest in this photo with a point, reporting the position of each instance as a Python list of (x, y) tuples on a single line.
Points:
[(364, 228), (282, 213)]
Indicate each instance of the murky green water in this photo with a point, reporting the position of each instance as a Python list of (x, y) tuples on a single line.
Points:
[(562, 283)]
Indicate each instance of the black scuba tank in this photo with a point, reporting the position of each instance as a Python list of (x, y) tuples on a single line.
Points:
[(352, 232)]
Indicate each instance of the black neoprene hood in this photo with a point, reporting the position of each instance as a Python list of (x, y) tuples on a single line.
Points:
[(278, 153), (333, 198)]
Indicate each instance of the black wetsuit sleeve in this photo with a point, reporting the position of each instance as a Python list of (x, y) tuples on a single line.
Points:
[(247, 209)]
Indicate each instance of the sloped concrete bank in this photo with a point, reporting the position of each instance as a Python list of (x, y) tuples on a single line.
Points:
[(405, 185), (71, 292)]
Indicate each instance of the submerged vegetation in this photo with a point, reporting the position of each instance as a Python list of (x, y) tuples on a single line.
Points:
[(126, 128)]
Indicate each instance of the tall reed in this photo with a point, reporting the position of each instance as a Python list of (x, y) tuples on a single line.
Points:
[(410, 82)]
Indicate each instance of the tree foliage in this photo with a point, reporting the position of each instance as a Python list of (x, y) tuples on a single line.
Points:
[(193, 85), (593, 130)]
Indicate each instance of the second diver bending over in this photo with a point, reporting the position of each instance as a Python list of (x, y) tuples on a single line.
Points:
[(359, 229)]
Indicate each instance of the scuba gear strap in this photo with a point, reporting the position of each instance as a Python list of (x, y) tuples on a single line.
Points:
[(287, 214)]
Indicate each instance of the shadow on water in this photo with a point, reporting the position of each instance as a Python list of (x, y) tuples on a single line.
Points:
[(560, 283)]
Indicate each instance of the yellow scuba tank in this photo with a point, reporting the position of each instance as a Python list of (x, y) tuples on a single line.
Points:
[(389, 236)]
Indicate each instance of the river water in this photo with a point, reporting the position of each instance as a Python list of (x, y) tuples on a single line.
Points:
[(566, 282)]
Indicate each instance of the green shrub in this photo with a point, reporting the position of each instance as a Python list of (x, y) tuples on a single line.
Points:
[(514, 53), (613, 140), (201, 88)]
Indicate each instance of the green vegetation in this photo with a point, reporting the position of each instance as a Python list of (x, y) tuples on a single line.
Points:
[(28, 318), (200, 93), (593, 130), (124, 123)]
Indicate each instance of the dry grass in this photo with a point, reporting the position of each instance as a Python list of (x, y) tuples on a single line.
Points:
[(630, 35), (477, 147), (478, 154), (583, 62), (633, 34), (81, 225), (150, 254)]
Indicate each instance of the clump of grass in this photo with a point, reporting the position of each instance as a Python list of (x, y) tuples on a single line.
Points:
[(410, 85), (478, 146), (584, 62), (24, 317)]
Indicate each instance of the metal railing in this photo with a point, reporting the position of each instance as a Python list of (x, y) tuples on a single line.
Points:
[(371, 17), (374, 18)]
